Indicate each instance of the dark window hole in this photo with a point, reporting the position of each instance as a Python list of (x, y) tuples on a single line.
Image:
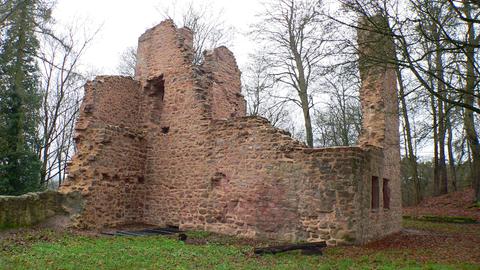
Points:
[(156, 87), (375, 193), (386, 193)]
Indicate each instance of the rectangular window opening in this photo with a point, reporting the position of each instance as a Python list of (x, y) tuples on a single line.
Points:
[(386, 194), (375, 193)]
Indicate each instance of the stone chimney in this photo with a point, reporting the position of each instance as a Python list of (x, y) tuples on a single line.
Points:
[(378, 93)]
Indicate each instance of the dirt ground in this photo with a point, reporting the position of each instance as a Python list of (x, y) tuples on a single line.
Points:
[(452, 204)]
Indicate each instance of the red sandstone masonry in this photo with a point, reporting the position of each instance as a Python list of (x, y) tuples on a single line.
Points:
[(173, 147), (226, 101), (110, 156)]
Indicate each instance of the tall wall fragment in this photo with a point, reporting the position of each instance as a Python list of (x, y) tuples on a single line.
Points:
[(379, 99), (110, 157)]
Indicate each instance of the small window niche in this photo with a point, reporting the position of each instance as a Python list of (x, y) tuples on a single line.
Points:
[(375, 193), (386, 193), (155, 89)]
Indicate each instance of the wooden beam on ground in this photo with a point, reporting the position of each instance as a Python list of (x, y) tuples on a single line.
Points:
[(307, 248)]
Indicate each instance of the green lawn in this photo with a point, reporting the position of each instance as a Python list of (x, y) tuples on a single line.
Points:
[(43, 249)]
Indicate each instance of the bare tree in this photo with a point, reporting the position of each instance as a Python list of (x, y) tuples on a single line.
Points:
[(407, 44), (429, 36), (470, 15), (340, 121), (296, 38), (128, 61), (208, 28), (447, 68), (61, 85), (258, 85), (407, 131)]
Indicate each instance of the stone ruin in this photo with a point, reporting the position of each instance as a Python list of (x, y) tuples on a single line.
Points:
[(173, 147)]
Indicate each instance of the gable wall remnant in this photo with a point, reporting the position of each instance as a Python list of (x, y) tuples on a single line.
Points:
[(174, 147), (110, 152)]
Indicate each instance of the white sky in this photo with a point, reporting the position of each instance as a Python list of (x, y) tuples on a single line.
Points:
[(123, 21)]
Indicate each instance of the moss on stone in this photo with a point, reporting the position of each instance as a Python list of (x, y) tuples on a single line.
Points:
[(33, 208)]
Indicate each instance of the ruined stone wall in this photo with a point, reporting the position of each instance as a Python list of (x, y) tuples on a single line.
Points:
[(225, 99), (376, 223), (380, 135), (110, 100), (262, 183), (110, 157), (173, 55), (174, 135), (250, 179), (33, 208), (180, 151)]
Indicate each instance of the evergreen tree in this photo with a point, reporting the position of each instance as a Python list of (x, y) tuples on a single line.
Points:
[(19, 100)]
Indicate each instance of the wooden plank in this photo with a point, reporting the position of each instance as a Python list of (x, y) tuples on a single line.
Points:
[(159, 231), (108, 233), (125, 233), (311, 247)]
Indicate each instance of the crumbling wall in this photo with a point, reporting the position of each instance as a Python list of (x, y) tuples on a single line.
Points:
[(180, 151), (380, 135), (110, 157), (261, 183), (173, 55), (174, 140), (110, 100), (33, 208), (226, 101)]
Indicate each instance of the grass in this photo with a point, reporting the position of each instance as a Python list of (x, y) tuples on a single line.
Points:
[(451, 228), (46, 249), (444, 219), (5, 226)]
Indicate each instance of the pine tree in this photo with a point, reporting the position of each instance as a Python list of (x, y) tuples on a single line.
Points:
[(19, 100)]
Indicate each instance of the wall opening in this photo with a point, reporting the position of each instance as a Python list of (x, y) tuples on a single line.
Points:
[(155, 89), (386, 193), (375, 193)]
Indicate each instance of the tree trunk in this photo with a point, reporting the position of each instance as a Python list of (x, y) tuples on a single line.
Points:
[(408, 140), (469, 120), (436, 179), (60, 171), (303, 94), (451, 156), (442, 166), (307, 119)]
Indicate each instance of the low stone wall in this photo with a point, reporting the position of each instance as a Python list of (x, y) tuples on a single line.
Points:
[(33, 208)]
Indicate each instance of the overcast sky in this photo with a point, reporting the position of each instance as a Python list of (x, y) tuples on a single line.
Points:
[(123, 21)]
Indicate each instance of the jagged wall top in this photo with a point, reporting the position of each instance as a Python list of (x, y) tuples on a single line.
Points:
[(378, 92), (155, 53), (167, 51)]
